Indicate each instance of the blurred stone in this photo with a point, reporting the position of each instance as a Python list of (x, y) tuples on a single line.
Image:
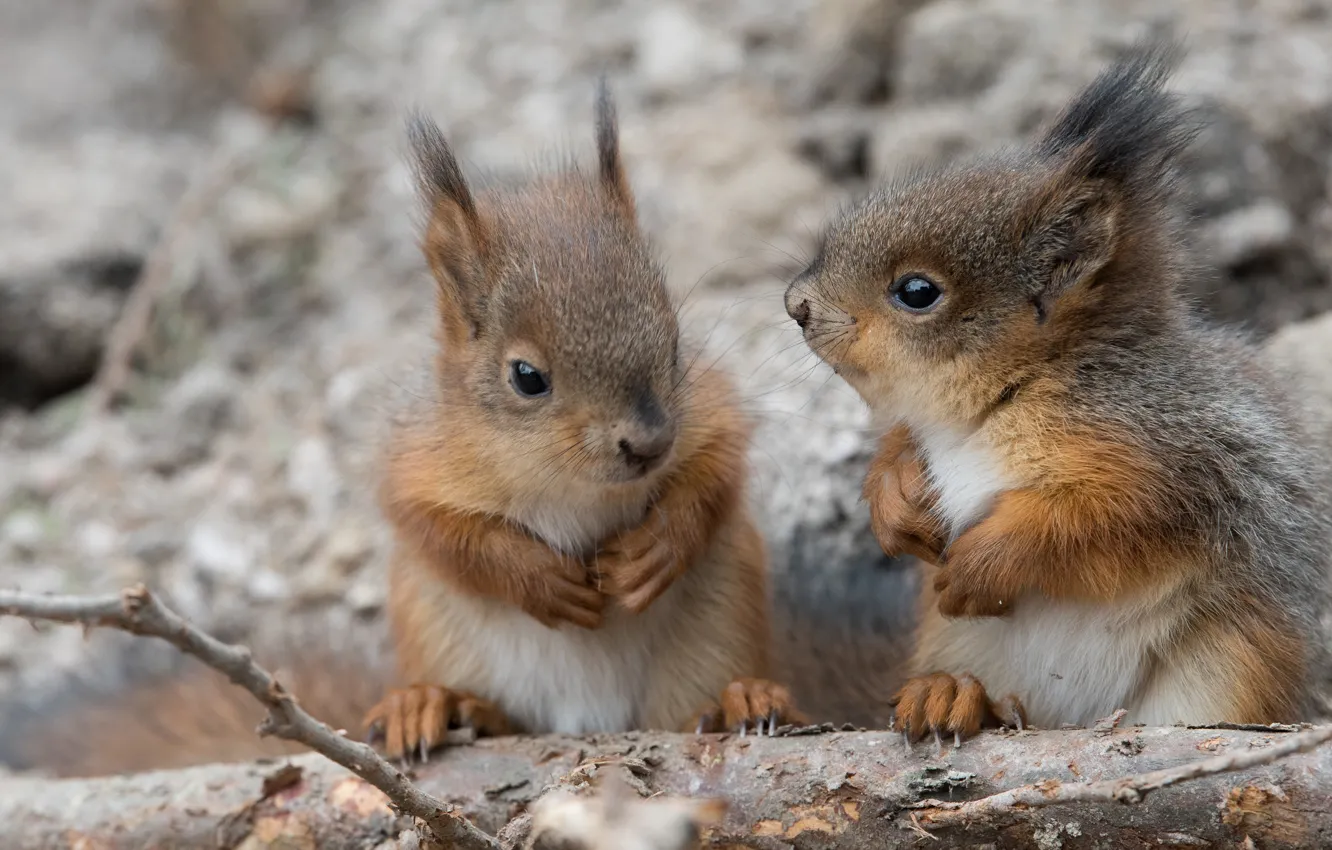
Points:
[(221, 551), (312, 474), (957, 48), (24, 530), (676, 51), (1250, 232), (348, 548)]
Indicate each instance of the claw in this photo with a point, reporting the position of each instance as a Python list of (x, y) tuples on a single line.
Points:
[(1017, 721), (699, 730), (744, 728), (957, 740), (372, 734), (761, 727), (772, 723), (938, 743), (425, 751), (906, 741)]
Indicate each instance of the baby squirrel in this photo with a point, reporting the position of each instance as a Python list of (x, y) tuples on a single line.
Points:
[(574, 549), (1114, 504), (575, 553)]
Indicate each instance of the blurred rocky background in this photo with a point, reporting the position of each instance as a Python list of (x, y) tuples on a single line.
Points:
[(245, 157)]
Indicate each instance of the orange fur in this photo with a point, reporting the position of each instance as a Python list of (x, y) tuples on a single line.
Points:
[(1088, 527), (900, 501), (501, 503)]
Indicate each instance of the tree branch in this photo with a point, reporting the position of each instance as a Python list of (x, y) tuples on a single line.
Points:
[(1129, 789), (137, 611), (859, 789)]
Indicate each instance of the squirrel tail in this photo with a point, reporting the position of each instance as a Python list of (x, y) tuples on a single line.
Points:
[(147, 707)]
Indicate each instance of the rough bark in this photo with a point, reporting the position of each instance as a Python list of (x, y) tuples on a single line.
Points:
[(842, 789)]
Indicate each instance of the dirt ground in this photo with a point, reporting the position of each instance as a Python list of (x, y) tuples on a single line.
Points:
[(258, 147)]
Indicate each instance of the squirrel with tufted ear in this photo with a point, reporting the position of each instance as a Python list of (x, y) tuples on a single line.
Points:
[(575, 552), (1114, 504), (574, 549)]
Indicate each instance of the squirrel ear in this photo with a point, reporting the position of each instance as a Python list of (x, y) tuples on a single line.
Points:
[(455, 238), (609, 166), (1071, 237)]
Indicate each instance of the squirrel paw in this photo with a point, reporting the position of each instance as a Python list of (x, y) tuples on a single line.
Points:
[(639, 565), (417, 719), (962, 598), (565, 595), (901, 508), (941, 703), (746, 705)]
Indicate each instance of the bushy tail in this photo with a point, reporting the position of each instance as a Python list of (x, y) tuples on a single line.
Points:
[(158, 710)]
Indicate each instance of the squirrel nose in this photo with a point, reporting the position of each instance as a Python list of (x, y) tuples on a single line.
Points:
[(800, 312), (644, 453)]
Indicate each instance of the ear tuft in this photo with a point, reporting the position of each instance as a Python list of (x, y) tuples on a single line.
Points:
[(1125, 127), (609, 166), (455, 238), (438, 177)]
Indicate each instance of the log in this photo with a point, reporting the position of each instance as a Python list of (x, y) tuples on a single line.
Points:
[(815, 790)]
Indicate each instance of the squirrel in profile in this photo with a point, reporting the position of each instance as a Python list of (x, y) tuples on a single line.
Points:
[(1113, 503), (574, 552)]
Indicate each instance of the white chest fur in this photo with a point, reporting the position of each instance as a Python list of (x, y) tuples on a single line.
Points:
[(568, 679), (965, 472), (1068, 661), (576, 521)]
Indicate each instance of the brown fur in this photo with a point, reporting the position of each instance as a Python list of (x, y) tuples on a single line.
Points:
[(1119, 505), (481, 488), (900, 502)]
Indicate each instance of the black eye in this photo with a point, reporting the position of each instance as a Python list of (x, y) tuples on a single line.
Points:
[(915, 293), (527, 380)]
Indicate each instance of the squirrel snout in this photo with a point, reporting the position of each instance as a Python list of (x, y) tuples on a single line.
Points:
[(800, 312), (797, 305), (645, 452)]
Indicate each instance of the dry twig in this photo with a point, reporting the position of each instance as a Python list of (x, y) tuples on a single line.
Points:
[(1129, 789), (137, 611), (135, 319)]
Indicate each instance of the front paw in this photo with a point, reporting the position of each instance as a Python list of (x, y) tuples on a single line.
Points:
[(959, 596), (942, 703), (638, 566), (562, 593), (417, 719), (750, 704), (901, 508)]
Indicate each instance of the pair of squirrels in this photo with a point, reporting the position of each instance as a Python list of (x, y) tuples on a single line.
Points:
[(1112, 504)]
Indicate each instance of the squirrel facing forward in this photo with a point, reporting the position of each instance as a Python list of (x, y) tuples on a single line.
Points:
[(574, 552), (1114, 505)]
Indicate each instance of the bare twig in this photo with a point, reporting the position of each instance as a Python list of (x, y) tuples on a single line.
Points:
[(136, 316), (137, 611), (1129, 789)]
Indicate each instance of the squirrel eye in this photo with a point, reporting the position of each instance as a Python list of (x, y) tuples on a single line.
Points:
[(915, 293), (527, 380)]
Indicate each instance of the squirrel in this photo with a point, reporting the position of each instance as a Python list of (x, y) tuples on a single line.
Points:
[(1113, 503), (574, 551)]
